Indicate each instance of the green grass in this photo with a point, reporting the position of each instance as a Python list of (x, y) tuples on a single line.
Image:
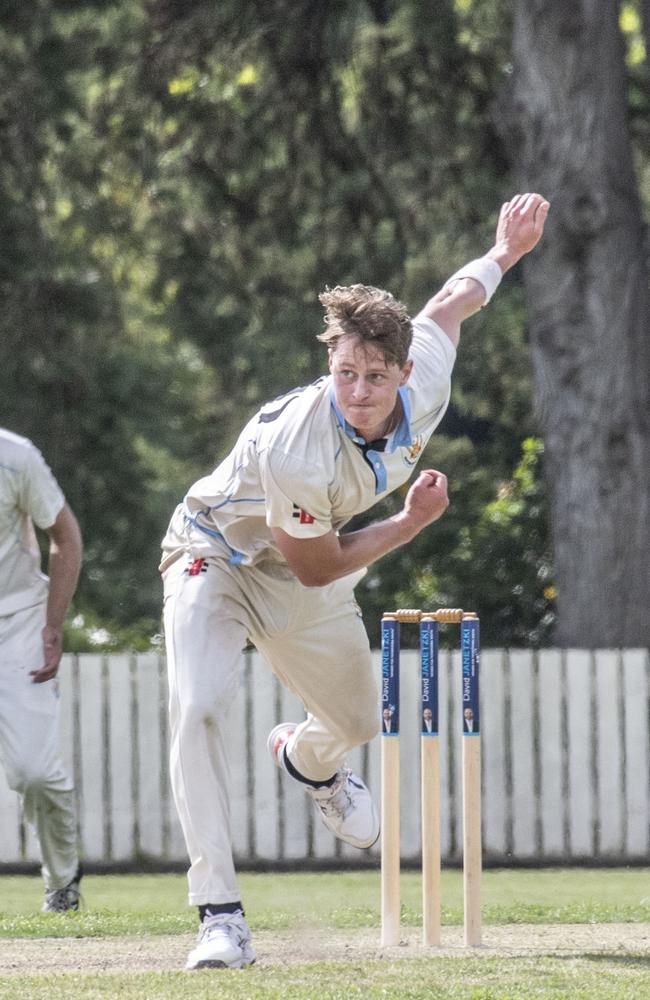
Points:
[(423, 979), (147, 906), (452, 979), (156, 904)]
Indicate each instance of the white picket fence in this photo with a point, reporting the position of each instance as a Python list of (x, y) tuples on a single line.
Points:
[(565, 763)]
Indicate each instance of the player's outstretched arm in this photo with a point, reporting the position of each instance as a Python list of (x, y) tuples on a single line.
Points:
[(319, 561), (519, 230)]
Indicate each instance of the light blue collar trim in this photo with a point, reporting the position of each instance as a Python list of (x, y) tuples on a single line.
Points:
[(401, 436)]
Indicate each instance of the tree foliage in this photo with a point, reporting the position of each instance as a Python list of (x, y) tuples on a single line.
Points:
[(188, 177)]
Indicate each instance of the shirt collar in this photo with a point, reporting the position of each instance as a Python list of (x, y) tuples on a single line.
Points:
[(401, 437)]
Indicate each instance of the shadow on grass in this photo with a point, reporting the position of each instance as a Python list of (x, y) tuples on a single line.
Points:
[(643, 961)]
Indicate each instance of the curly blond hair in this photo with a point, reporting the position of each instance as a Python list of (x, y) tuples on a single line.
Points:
[(370, 314)]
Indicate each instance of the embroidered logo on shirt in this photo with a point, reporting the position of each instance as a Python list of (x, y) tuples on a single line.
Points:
[(411, 454), (302, 515), (196, 567)]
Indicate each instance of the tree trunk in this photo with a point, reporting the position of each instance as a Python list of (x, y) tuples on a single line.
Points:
[(589, 313)]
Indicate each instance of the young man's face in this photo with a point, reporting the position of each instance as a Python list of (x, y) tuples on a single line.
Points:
[(365, 386)]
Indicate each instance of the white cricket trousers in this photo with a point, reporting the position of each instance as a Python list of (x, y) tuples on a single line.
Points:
[(315, 642), (29, 734)]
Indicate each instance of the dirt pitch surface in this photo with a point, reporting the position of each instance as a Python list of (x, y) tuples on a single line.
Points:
[(150, 954)]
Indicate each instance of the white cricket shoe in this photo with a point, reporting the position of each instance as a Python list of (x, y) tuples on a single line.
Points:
[(345, 807), (224, 943)]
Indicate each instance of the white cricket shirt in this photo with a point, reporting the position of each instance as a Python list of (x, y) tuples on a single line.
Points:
[(29, 494), (299, 466)]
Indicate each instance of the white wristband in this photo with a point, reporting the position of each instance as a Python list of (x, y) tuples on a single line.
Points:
[(484, 270)]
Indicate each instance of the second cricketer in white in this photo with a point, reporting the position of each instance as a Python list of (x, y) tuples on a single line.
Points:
[(32, 609), (254, 553)]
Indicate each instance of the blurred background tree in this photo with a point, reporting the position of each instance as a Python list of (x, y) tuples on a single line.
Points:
[(590, 310)]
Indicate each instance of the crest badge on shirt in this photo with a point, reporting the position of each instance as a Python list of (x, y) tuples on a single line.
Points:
[(413, 452), (302, 515)]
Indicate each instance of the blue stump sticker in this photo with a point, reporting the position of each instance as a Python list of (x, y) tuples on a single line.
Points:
[(470, 643), (390, 677), (429, 677)]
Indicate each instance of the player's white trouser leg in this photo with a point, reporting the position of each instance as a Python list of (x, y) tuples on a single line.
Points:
[(204, 644), (325, 659), (29, 724), (314, 640)]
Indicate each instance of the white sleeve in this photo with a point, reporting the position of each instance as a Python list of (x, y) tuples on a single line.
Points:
[(40, 494), (433, 356), (297, 497)]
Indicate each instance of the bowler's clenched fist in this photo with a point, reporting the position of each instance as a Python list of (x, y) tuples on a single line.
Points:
[(427, 498)]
